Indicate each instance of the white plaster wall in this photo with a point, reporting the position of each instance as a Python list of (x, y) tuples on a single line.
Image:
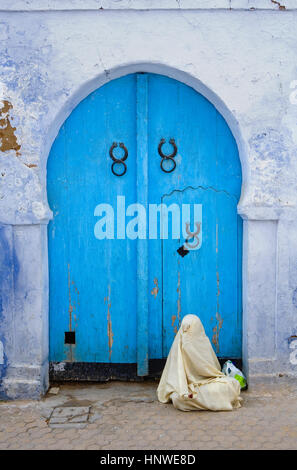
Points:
[(240, 54)]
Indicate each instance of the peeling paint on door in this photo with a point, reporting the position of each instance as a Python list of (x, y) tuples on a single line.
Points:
[(155, 290), (73, 305), (173, 318), (216, 330), (109, 324), (70, 307)]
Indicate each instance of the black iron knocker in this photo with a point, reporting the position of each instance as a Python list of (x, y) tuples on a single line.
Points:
[(118, 160), (167, 157)]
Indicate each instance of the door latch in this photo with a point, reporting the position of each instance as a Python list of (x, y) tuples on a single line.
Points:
[(186, 247)]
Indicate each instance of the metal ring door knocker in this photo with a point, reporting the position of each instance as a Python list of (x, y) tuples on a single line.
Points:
[(167, 157), (118, 160)]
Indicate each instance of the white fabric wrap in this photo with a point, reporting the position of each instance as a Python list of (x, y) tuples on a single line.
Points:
[(192, 377)]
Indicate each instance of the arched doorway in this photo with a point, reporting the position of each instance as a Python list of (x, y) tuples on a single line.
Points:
[(117, 301)]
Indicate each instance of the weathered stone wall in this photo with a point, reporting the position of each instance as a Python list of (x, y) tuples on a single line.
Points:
[(241, 55)]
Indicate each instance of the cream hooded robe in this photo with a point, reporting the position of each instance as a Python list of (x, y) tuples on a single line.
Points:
[(192, 377)]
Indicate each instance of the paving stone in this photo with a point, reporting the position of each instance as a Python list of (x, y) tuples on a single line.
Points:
[(70, 411), (68, 416), (68, 425), (93, 417), (46, 412), (147, 424)]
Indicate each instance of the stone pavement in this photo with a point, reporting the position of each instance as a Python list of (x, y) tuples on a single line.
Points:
[(120, 415)]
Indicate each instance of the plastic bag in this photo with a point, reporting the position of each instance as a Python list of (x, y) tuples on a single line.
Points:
[(230, 370)]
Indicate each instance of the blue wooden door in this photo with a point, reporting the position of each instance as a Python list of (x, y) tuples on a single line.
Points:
[(118, 300)]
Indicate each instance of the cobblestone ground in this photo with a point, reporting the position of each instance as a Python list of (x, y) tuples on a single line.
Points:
[(128, 416)]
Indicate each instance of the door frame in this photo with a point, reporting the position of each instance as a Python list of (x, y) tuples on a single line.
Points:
[(260, 223)]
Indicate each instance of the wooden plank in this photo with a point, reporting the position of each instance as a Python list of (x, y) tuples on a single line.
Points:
[(142, 244), (206, 282), (93, 281)]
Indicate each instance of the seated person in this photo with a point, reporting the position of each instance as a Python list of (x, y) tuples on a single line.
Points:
[(192, 377)]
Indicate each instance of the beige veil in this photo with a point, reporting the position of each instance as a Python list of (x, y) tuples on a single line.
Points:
[(192, 377)]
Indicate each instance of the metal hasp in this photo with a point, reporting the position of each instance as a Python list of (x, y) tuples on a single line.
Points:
[(118, 160), (192, 235), (184, 249), (167, 157)]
